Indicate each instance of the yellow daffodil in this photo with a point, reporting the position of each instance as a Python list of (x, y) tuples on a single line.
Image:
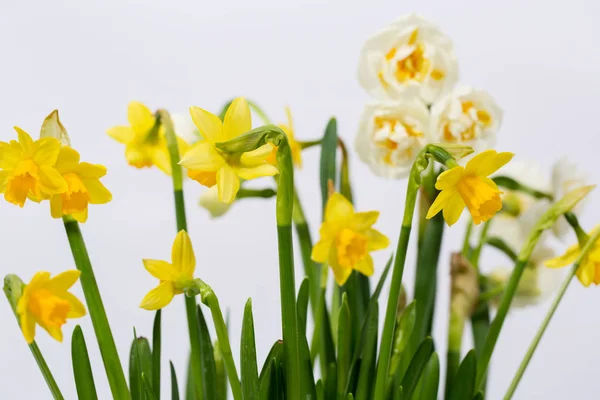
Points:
[(295, 147), (48, 303), (27, 169), (210, 166), (144, 140), (83, 186), (589, 269), (347, 238), (174, 277), (470, 186)]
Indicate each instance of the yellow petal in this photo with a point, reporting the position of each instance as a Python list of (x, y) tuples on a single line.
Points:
[(453, 209), (365, 266), (440, 202), (27, 326), (81, 217), (159, 297), (138, 155), (140, 117), (3, 179), (45, 151), (161, 158), (56, 206), (257, 157), (182, 255), (448, 179), (202, 156), (67, 161), (566, 259), (340, 273), (488, 162), (161, 270), (338, 208), (51, 181), (208, 124), (228, 184), (63, 281), (10, 155), (237, 119), (376, 240), (122, 134), (256, 171), (77, 307), (320, 251), (206, 178), (99, 194), (54, 331), (90, 171), (364, 220), (25, 141), (585, 273)]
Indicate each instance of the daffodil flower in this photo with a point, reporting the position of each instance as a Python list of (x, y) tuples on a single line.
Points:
[(174, 277), (589, 269), (144, 140), (390, 136), (27, 169), (410, 57), (295, 147), (470, 186), (83, 186), (466, 116), (210, 166), (347, 238), (48, 303)]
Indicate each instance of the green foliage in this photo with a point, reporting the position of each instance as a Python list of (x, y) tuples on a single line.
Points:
[(82, 369)]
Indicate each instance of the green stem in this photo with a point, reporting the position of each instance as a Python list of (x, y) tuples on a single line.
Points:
[(589, 245), (190, 302), (106, 342), (456, 325), (41, 362), (466, 242), (210, 299), (482, 239)]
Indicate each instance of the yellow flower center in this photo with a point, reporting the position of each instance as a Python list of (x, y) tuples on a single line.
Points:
[(468, 125), (23, 181), (482, 200), (351, 248), (396, 137), (76, 198), (49, 310)]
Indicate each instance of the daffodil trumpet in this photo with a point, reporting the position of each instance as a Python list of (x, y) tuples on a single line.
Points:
[(589, 244), (562, 206), (284, 209)]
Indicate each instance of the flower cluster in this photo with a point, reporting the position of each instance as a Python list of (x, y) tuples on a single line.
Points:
[(411, 71)]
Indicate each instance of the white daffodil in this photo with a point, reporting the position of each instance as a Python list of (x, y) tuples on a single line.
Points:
[(409, 57), (184, 127), (466, 116), (566, 177), (209, 200), (537, 283), (390, 136)]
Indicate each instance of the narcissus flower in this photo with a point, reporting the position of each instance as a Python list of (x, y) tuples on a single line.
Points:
[(409, 57), (48, 303), (390, 136), (295, 147), (210, 166), (470, 186), (589, 269), (466, 116), (27, 169), (347, 238), (83, 186), (144, 139), (174, 277)]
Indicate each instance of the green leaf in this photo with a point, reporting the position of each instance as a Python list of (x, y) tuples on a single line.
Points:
[(190, 388), (327, 354), (404, 329), (156, 349), (271, 378), (479, 396), (209, 373), (140, 362), (221, 372), (344, 347), (307, 380), (349, 397), (368, 362), (416, 367), (148, 387), (330, 382), (82, 369), (250, 383), (464, 382), (430, 380), (399, 395), (320, 390), (328, 159), (174, 385)]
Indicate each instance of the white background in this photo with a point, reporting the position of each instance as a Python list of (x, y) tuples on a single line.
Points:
[(539, 59)]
